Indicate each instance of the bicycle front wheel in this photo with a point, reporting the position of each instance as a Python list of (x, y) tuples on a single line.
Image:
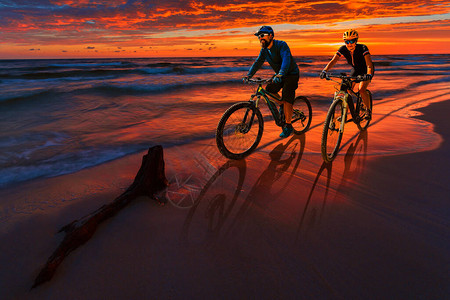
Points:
[(363, 121), (239, 130), (332, 136), (302, 114)]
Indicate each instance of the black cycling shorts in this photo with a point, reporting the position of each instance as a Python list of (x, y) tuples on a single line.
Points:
[(289, 84)]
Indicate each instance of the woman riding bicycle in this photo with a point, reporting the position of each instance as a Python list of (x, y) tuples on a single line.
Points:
[(358, 56)]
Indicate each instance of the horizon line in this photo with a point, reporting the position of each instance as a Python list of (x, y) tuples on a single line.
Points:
[(219, 56)]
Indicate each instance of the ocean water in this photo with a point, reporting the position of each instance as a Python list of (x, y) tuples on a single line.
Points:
[(61, 116)]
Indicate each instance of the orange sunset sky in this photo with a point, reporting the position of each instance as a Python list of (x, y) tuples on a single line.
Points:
[(140, 28)]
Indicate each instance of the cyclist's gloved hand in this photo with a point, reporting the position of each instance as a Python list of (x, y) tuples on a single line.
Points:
[(323, 74), (246, 78), (277, 79), (367, 77)]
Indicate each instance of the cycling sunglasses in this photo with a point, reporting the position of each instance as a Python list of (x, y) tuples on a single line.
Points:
[(350, 41), (261, 35)]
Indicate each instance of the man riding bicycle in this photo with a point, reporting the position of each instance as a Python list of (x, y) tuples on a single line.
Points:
[(278, 55), (358, 56)]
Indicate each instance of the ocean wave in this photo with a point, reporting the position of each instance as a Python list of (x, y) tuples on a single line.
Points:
[(21, 95), (137, 89), (418, 63), (93, 65), (179, 64), (59, 165), (111, 70), (71, 162), (382, 63), (112, 88), (431, 81), (83, 74), (189, 70)]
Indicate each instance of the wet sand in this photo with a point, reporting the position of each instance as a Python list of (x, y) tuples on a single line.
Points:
[(279, 224)]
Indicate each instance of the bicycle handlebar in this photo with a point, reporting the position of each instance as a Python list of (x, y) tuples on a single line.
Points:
[(259, 80), (343, 76)]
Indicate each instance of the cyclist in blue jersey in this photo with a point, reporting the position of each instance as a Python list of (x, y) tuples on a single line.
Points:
[(358, 56), (279, 57)]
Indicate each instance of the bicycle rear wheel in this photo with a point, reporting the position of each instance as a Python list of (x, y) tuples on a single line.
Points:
[(302, 114), (332, 136), (239, 130), (363, 122)]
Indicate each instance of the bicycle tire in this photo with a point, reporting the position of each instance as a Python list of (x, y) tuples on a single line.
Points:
[(363, 122), (302, 114), (234, 138), (331, 135)]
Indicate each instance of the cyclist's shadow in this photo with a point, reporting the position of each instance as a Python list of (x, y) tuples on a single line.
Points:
[(212, 208), (261, 194), (355, 160), (313, 212), (282, 157)]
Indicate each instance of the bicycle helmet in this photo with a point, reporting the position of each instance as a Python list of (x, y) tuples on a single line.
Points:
[(350, 34), (265, 29)]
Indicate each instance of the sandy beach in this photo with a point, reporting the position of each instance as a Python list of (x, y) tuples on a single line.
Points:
[(280, 224)]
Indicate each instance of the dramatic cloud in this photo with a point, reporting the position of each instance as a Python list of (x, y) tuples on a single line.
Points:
[(184, 24)]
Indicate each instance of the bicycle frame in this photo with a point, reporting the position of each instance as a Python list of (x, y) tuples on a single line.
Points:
[(344, 93), (241, 127), (261, 92)]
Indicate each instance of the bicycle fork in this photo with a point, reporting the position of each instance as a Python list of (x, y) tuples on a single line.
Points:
[(245, 127), (344, 115), (344, 98)]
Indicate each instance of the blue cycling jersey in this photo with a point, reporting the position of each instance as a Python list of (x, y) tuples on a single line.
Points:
[(279, 58)]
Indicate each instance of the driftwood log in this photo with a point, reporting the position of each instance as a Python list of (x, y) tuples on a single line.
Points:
[(149, 180)]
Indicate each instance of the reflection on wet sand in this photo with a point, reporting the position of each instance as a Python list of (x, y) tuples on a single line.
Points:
[(224, 201), (314, 210), (352, 169), (312, 213)]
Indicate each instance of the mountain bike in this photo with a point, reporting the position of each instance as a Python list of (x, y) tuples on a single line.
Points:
[(336, 119), (241, 127)]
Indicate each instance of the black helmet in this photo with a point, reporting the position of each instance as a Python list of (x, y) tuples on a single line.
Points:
[(265, 29)]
